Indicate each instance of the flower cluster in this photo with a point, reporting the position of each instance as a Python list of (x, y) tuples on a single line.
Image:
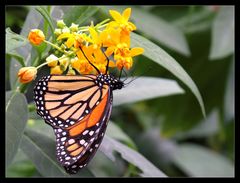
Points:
[(79, 49)]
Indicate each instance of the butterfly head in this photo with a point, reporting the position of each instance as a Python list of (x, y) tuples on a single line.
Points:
[(110, 80)]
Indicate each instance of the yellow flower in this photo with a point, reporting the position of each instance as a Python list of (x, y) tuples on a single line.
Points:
[(124, 62), (100, 61), (27, 74), (56, 70), (74, 39), (124, 55), (52, 60), (122, 20), (110, 37), (81, 65), (36, 36), (70, 38), (96, 39)]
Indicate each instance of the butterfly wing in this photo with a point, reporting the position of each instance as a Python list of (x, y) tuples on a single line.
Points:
[(93, 136), (63, 100), (79, 130)]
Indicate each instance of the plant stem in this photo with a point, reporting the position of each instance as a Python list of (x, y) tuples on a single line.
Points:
[(55, 46)]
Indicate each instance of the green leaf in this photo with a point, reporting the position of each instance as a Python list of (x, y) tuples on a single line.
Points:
[(79, 14), (41, 150), (146, 88), (39, 126), (155, 147), (229, 101), (21, 166), (160, 30), (117, 133), (195, 21), (110, 145), (158, 55), (199, 161), (222, 43), (207, 127), (16, 118), (18, 57), (102, 166), (14, 40), (43, 11)]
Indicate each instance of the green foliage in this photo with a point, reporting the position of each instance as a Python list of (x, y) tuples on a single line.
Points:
[(152, 88), (223, 27), (153, 132), (158, 55), (16, 118), (212, 164), (44, 12), (79, 14), (14, 41)]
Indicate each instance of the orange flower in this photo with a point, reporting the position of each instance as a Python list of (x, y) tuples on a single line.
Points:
[(124, 55), (27, 74), (36, 36)]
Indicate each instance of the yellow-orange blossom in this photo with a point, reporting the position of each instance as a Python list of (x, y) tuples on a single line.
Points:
[(112, 38), (27, 74)]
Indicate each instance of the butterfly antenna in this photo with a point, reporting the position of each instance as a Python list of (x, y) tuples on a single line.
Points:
[(89, 61), (107, 60)]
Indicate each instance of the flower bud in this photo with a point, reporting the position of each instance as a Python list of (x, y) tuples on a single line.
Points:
[(36, 36), (27, 74), (74, 27), (60, 24), (52, 60), (65, 30), (57, 32)]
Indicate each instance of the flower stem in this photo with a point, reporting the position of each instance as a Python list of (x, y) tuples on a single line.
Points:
[(101, 23), (55, 46), (45, 63)]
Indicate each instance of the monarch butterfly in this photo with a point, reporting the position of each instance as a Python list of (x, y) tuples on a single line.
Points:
[(78, 108)]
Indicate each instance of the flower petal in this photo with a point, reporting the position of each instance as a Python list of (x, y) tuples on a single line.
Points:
[(70, 42), (136, 51), (116, 16), (112, 64), (112, 24), (110, 50), (125, 38), (64, 35), (126, 14), (93, 34), (132, 26)]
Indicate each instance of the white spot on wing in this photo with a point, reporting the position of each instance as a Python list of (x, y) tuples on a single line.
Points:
[(82, 142)]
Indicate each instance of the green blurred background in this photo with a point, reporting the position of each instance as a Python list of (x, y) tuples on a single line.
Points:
[(171, 131)]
